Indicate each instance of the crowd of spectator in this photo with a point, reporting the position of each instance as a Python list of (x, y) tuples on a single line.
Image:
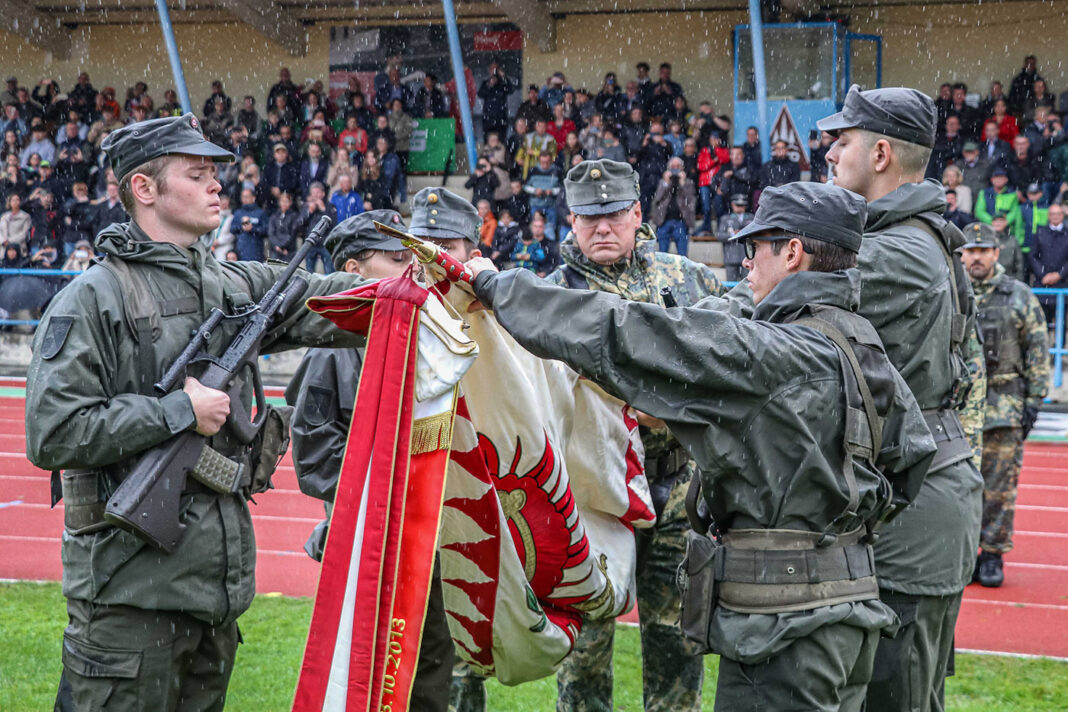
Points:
[(306, 155), (1003, 159)]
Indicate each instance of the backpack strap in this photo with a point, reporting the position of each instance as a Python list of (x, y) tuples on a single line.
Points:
[(574, 278), (862, 438), (957, 278), (142, 313)]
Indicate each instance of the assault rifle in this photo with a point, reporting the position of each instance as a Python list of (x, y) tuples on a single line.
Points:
[(147, 502)]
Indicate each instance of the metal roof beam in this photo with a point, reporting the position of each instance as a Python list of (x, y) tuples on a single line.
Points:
[(21, 19), (534, 19), (272, 21)]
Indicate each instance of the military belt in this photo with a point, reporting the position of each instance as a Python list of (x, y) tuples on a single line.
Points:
[(949, 437), (778, 570)]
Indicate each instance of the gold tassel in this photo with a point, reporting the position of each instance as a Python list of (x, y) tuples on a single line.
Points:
[(432, 433)]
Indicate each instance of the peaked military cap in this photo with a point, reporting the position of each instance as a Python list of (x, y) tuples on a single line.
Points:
[(816, 210), (980, 235), (137, 144), (439, 213), (897, 112), (353, 235), (600, 187)]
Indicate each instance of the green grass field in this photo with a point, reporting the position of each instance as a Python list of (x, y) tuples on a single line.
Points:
[(31, 628)]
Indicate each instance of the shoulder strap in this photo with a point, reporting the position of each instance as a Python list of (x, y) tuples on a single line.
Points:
[(853, 440), (574, 278), (142, 315), (959, 321)]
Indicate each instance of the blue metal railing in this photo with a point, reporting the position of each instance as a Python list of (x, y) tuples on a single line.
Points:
[(1057, 350)]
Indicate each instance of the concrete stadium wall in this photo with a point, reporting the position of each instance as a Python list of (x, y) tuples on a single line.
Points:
[(923, 47), (971, 42), (120, 55), (697, 44)]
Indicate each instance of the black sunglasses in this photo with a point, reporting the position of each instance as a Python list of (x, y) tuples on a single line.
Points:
[(749, 244)]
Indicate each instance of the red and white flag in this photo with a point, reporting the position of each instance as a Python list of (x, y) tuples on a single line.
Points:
[(536, 514)]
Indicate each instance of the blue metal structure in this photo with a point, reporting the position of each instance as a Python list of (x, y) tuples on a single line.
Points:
[(172, 54), (461, 83), (759, 74), (807, 68)]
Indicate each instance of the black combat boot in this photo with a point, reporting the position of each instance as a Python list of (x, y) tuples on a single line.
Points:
[(990, 573)]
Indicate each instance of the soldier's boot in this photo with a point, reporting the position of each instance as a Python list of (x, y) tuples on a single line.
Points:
[(990, 570)]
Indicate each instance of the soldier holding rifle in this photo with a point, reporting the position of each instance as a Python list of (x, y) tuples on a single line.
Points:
[(153, 625)]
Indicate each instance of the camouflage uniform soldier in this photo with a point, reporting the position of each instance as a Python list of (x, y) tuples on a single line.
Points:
[(1017, 364), (916, 294), (323, 393), (1012, 258), (148, 629), (610, 250)]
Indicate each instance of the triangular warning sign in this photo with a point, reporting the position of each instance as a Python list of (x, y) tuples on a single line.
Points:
[(784, 130)]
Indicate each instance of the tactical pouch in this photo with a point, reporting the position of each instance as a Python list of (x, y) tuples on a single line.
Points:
[(84, 500), (697, 584), (270, 446)]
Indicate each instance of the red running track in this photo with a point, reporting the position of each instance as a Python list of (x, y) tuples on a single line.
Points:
[(1029, 614)]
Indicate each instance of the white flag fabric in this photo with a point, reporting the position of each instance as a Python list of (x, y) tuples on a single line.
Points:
[(543, 489)]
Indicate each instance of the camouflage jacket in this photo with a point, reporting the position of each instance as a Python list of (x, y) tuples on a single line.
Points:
[(1014, 343), (639, 278)]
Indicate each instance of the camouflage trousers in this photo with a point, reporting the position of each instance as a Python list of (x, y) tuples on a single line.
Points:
[(672, 673), (1002, 459), (468, 690)]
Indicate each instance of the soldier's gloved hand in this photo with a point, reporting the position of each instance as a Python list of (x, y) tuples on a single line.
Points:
[(209, 405), (1030, 415)]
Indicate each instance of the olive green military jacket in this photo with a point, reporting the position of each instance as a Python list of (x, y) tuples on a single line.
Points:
[(85, 410), (1014, 335), (639, 277), (749, 398), (323, 394), (907, 296)]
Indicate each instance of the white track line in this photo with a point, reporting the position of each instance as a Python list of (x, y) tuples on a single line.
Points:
[(1015, 604), (1023, 565), (1025, 656)]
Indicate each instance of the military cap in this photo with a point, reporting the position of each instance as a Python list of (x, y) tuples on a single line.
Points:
[(438, 213), (601, 187), (739, 199), (815, 210), (353, 235), (137, 144), (970, 146), (980, 235), (896, 112)]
